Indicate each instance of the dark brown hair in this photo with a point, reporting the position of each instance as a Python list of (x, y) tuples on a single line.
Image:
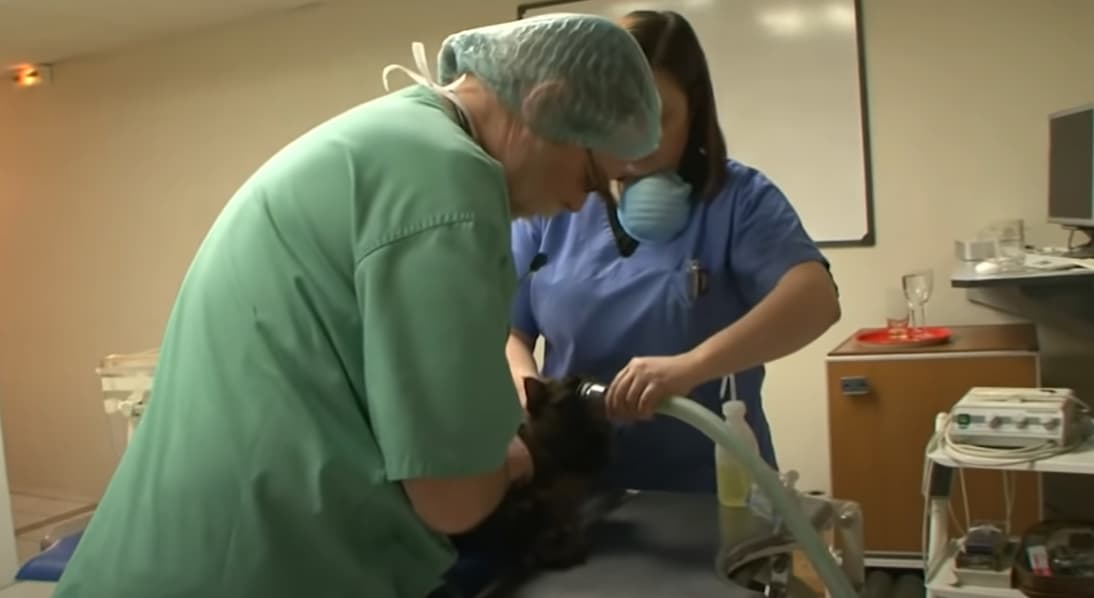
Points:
[(671, 46)]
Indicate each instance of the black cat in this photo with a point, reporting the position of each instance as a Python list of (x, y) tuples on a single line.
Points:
[(570, 440)]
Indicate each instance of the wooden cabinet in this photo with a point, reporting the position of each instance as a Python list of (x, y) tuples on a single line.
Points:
[(882, 404)]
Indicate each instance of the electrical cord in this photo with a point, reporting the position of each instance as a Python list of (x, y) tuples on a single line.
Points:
[(1071, 246), (965, 500), (971, 454), (928, 472), (928, 469), (1010, 489)]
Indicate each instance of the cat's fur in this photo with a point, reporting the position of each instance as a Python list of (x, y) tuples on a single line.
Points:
[(570, 440)]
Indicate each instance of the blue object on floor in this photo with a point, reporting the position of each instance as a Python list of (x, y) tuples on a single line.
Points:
[(471, 574), (474, 570), (50, 564)]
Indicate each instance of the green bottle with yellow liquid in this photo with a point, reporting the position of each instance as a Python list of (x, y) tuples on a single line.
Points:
[(733, 478)]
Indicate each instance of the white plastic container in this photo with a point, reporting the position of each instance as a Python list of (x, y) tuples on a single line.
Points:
[(733, 479)]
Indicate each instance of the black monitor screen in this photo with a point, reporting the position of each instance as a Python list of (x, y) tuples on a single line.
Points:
[(1071, 166)]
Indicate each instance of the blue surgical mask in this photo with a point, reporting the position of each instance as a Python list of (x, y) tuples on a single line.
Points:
[(655, 208)]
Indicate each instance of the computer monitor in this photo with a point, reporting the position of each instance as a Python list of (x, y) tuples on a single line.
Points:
[(1071, 167)]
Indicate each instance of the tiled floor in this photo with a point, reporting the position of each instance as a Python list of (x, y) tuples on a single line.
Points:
[(804, 570), (34, 516), (28, 589)]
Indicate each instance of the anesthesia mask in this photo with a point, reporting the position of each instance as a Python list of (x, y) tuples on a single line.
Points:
[(655, 208)]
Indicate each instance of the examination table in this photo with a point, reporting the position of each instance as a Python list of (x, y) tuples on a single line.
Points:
[(642, 545)]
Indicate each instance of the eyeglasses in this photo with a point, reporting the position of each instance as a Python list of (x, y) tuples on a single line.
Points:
[(596, 180)]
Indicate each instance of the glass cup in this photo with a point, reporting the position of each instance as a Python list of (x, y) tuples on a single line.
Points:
[(897, 314), (1010, 243), (918, 287)]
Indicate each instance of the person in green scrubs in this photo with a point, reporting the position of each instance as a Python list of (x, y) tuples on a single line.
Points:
[(332, 397)]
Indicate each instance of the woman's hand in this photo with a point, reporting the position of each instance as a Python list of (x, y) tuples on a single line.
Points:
[(518, 350), (640, 387), (522, 390)]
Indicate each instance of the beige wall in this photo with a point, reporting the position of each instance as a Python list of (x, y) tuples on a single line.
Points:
[(109, 179)]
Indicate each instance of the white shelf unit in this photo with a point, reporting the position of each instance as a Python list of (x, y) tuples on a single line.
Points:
[(941, 581), (126, 380)]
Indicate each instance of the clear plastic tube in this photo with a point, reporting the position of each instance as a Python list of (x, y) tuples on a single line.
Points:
[(702, 419)]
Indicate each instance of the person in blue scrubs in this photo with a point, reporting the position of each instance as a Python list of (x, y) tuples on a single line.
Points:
[(724, 279)]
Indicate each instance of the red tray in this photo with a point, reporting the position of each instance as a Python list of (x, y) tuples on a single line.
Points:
[(920, 337)]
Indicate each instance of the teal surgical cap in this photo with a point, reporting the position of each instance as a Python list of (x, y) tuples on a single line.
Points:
[(598, 88)]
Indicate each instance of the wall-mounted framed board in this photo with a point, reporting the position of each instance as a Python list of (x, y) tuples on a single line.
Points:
[(790, 87)]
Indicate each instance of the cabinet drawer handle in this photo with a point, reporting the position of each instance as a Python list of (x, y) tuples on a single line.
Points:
[(854, 386)]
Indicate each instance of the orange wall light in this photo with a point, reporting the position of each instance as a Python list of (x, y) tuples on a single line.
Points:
[(30, 75)]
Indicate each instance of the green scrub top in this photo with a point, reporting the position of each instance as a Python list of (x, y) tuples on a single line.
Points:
[(341, 328)]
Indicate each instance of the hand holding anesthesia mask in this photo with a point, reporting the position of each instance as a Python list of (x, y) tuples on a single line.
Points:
[(655, 208)]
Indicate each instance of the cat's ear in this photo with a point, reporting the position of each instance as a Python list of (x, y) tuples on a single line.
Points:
[(535, 394)]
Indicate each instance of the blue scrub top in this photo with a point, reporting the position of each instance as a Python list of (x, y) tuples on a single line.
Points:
[(596, 310)]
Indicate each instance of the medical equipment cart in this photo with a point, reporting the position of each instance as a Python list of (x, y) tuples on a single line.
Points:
[(881, 407), (941, 550)]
